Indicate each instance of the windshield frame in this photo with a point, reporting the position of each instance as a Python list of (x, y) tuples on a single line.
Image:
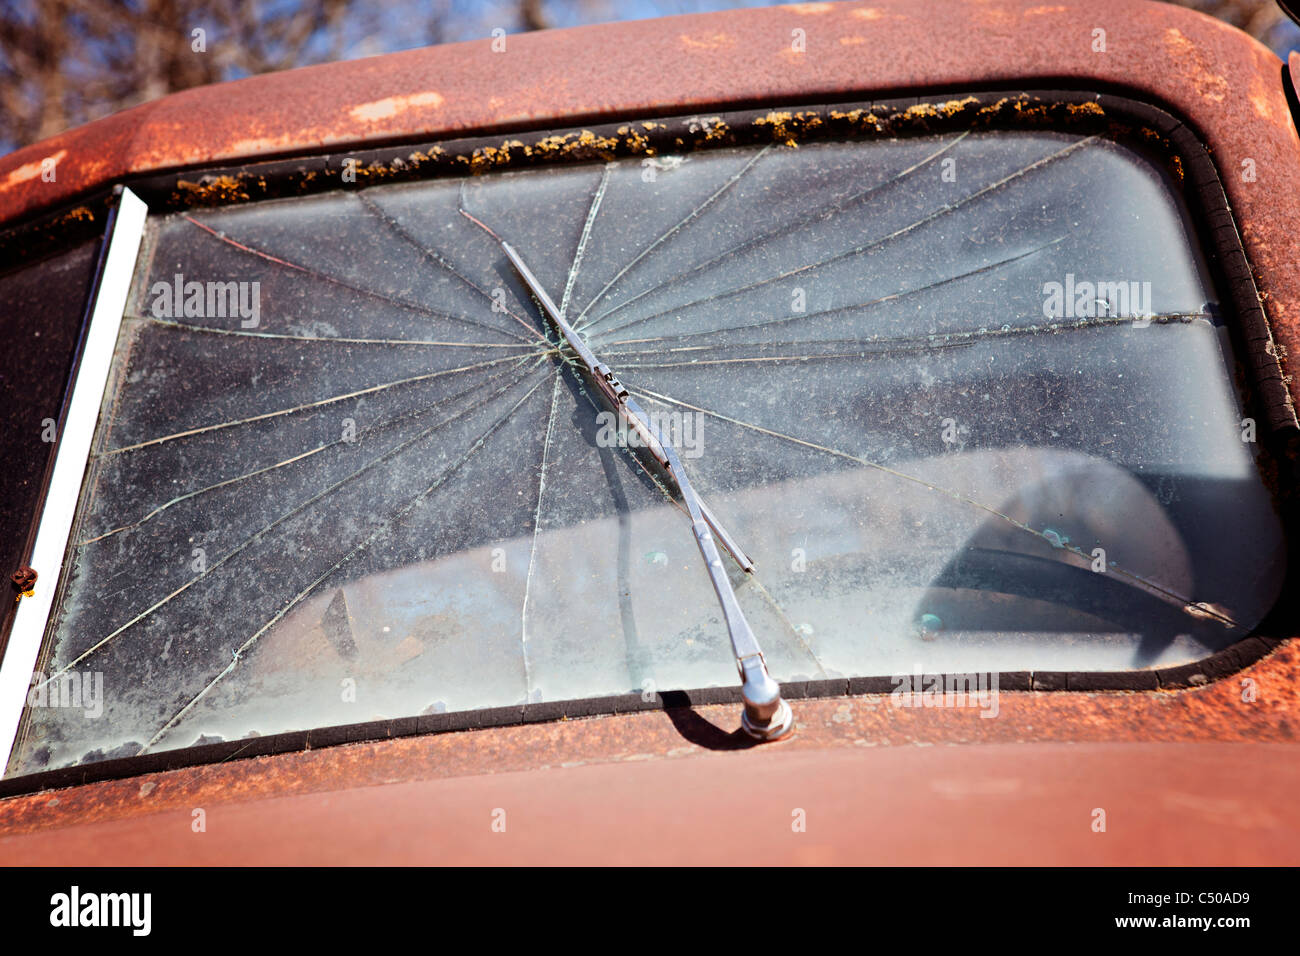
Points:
[(1118, 116)]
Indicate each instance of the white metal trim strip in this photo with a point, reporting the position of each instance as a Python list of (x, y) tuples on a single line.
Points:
[(70, 466)]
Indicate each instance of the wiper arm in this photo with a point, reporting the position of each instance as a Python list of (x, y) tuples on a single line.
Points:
[(766, 715)]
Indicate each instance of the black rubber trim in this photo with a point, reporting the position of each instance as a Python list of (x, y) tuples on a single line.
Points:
[(1120, 117)]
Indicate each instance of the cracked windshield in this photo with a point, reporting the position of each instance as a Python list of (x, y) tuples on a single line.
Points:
[(967, 402)]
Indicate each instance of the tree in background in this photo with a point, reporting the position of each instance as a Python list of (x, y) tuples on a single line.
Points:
[(66, 62)]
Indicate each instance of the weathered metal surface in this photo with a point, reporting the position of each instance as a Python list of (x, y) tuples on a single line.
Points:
[(1164, 804)]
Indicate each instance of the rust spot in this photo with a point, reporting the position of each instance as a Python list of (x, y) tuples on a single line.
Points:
[(29, 171), (259, 144), (716, 41), (24, 579), (1262, 98), (998, 17), (391, 106), (1209, 84)]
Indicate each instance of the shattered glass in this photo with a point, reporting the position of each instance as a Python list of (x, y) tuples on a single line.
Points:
[(373, 486)]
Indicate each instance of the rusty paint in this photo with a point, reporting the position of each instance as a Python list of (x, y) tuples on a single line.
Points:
[(24, 579), (1166, 804)]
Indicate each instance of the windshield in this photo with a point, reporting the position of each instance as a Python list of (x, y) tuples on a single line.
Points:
[(966, 401)]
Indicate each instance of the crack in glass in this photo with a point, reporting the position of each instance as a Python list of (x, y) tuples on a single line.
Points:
[(394, 494)]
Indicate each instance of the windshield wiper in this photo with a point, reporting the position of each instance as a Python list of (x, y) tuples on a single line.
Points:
[(766, 715)]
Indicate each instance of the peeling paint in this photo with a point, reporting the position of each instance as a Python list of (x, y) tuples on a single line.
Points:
[(1264, 101), (716, 41), (391, 106), (29, 171), (1209, 84)]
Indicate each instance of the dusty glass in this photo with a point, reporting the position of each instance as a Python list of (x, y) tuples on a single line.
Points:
[(967, 400)]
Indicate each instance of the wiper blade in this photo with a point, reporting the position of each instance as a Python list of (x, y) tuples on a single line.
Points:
[(766, 715)]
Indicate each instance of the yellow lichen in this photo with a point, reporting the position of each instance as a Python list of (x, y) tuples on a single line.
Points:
[(1089, 107), (485, 157), (635, 140), (994, 108), (787, 127), (218, 189), (932, 110), (860, 117)]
